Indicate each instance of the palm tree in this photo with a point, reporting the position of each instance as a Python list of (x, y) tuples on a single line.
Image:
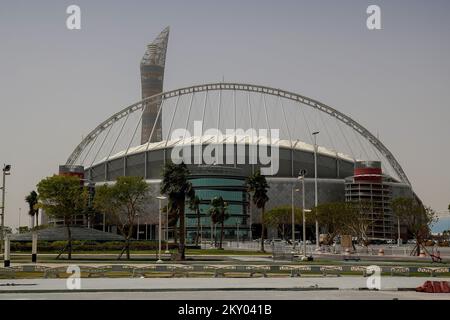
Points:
[(194, 205), (173, 219), (257, 184), (218, 212), (176, 186), (33, 211)]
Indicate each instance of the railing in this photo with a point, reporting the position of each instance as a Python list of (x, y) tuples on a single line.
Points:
[(371, 250)]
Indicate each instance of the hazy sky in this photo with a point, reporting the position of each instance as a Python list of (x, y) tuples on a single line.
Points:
[(56, 84)]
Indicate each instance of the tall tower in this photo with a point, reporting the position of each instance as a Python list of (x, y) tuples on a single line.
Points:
[(152, 78)]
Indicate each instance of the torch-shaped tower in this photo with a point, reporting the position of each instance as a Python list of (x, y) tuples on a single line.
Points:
[(152, 78)]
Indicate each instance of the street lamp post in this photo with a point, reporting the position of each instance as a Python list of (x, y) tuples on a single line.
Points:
[(212, 230), (237, 233), (301, 174), (167, 231), (201, 234), (6, 172), (137, 232), (293, 216), (250, 234), (316, 201), (160, 198)]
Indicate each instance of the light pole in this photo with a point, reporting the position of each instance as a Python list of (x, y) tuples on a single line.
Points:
[(399, 240), (201, 235), (212, 230), (250, 234), (292, 215), (20, 213), (237, 233), (160, 198), (316, 201), (137, 232), (6, 172), (167, 231), (302, 176)]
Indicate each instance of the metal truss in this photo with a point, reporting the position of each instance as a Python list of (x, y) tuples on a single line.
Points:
[(246, 88), (156, 51)]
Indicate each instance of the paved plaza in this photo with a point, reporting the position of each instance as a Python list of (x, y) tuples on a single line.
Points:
[(174, 284), (309, 288), (232, 295)]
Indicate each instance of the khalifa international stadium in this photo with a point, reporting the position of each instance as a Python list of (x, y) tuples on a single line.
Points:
[(352, 163)]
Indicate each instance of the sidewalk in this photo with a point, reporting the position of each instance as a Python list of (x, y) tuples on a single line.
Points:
[(210, 284)]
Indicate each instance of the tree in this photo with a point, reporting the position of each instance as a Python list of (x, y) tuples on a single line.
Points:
[(257, 184), (63, 197), (173, 219), (176, 186), (33, 211), (333, 216), (121, 203), (218, 212), (6, 230), (357, 220), (194, 205), (279, 217), (416, 217), (23, 229)]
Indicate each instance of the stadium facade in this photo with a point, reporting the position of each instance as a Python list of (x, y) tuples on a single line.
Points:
[(340, 177)]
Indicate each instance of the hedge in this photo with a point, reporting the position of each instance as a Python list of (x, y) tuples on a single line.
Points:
[(87, 246)]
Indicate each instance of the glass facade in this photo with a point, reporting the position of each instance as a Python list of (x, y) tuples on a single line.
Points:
[(232, 190)]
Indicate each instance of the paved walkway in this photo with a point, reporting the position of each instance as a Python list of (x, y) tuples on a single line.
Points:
[(211, 284), (231, 295)]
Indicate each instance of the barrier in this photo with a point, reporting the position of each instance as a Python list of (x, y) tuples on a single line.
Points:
[(359, 269), (54, 272), (432, 271), (182, 270), (95, 271), (329, 270), (434, 287), (219, 270), (282, 252), (295, 270), (258, 270), (121, 268), (8, 272), (401, 271), (143, 271)]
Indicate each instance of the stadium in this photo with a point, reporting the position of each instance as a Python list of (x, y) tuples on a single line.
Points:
[(224, 132)]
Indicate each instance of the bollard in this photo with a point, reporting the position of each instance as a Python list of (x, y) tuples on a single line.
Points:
[(422, 253), (7, 261), (381, 252), (34, 247)]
